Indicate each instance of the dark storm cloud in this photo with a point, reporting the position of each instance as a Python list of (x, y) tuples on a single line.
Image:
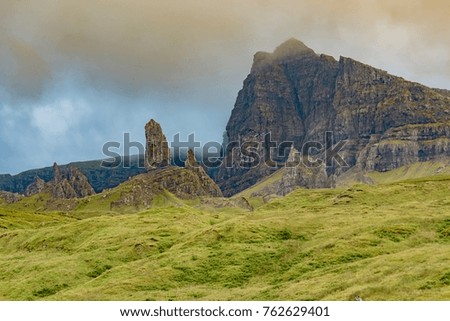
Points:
[(128, 46), (138, 46)]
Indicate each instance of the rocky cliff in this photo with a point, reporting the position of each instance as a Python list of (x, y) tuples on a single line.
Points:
[(157, 153), (70, 183), (293, 175), (67, 183), (181, 182), (38, 186), (297, 96), (187, 182), (9, 197)]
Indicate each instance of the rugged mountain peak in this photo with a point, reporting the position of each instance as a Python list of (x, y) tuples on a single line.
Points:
[(36, 187), (292, 47), (157, 153), (298, 96), (66, 183), (69, 183)]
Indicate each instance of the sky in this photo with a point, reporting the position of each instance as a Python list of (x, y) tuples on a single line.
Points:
[(76, 74)]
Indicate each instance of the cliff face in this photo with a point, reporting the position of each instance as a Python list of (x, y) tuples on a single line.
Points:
[(297, 95), (157, 153), (9, 197), (36, 187), (70, 183), (293, 175), (67, 183)]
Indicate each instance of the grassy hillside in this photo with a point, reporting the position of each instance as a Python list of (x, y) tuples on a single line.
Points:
[(416, 170), (278, 175), (384, 242), (436, 167)]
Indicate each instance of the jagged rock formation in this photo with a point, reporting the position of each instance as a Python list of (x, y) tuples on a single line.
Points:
[(298, 95), (157, 153), (206, 183), (296, 174), (36, 187), (67, 183), (406, 145), (71, 183), (181, 182), (9, 197), (185, 183)]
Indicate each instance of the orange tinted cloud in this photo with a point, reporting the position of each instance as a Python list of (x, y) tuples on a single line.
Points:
[(136, 45)]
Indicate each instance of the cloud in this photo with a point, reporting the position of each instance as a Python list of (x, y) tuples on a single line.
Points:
[(130, 47), (25, 73), (57, 119), (140, 46)]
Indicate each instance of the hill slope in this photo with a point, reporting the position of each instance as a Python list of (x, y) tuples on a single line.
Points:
[(272, 185), (385, 242)]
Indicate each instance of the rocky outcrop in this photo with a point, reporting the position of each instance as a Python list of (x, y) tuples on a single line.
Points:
[(80, 183), (9, 197), (205, 182), (444, 92), (67, 183), (36, 187), (295, 174), (182, 183), (297, 96), (189, 182), (405, 145), (191, 163), (157, 152), (71, 183)]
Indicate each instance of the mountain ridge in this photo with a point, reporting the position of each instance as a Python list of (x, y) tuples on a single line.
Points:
[(299, 97), (100, 177)]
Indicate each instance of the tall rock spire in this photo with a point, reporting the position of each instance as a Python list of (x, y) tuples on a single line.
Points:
[(157, 153)]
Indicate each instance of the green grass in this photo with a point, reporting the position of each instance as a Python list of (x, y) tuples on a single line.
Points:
[(416, 170), (382, 242), (263, 183)]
